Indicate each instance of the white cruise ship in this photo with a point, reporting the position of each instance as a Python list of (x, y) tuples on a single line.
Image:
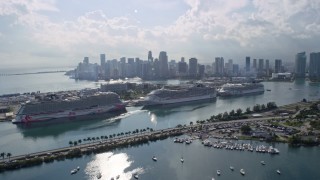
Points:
[(241, 89), (179, 94), (54, 108)]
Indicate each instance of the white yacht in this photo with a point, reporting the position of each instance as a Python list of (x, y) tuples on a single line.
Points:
[(242, 171), (278, 171), (240, 89), (231, 168), (154, 158), (74, 171), (262, 162), (182, 160), (218, 172)]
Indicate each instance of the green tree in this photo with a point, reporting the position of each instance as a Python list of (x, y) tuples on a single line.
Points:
[(245, 129), (263, 107), (9, 155), (248, 111), (2, 155), (239, 111), (70, 143), (256, 108), (232, 113)]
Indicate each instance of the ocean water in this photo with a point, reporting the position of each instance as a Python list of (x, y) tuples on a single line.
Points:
[(200, 162)]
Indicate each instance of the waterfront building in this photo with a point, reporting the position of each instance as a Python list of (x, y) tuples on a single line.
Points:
[(193, 67), (114, 87), (150, 58), (300, 65), (163, 64), (219, 66), (131, 68), (182, 67), (201, 70), (236, 71), (229, 67), (261, 65), (86, 70), (267, 67), (254, 64), (277, 65), (247, 64), (102, 64), (314, 65)]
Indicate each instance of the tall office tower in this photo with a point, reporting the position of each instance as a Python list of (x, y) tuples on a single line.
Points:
[(277, 65), (201, 70), (131, 68), (314, 65), (138, 67), (107, 70), (150, 58), (236, 69), (123, 67), (247, 64), (219, 66), (229, 67), (267, 67), (86, 60), (254, 64), (102, 59), (163, 62), (260, 65), (182, 59), (300, 65), (193, 67), (182, 67), (156, 68)]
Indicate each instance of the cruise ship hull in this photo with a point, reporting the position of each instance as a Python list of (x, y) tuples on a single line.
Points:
[(67, 114), (178, 100)]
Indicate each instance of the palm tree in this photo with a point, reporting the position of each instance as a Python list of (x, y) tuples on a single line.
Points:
[(2, 155), (70, 143), (9, 155)]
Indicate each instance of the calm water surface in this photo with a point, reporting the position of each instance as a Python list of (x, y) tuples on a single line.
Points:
[(295, 163)]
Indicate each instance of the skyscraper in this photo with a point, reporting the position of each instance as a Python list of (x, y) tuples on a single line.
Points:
[(247, 64), (182, 67), (314, 65), (277, 65), (102, 64), (193, 67), (163, 62), (267, 67), (300, 65), (260, 66), (219, 66), (254, 64), (150, 58)]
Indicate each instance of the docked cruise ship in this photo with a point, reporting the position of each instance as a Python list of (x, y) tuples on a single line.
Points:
[(240, 89), (54, 107), (179, 94)]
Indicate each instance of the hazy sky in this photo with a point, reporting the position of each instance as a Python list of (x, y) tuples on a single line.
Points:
[(62, 32)]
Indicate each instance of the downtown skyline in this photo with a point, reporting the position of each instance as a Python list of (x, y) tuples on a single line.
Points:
[(58, 33)]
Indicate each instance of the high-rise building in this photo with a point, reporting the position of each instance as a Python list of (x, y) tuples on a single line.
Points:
[(300, 65), (102, 64), (247, 64), (86, 60), (277, 65), (131, 68), (254, 64), (314, 65), (201, 70), (182, 67), (229, 67), (150, 58), (219, 66), (236, 69), (260, 66), (267, 67), (123, 68), (163, 62), (193, 67)]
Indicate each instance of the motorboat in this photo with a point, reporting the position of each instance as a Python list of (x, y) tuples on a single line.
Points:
[(242, 171), (182, 160), (154, 158), (262, 162), (74, 171), (218, 172), (231, 168), (278, 171), (78, 168), (136, 176)]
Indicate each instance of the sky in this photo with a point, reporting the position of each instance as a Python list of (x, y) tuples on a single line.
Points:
[(61, 32)]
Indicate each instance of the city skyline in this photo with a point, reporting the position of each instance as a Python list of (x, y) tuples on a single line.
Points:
[(58, 33)]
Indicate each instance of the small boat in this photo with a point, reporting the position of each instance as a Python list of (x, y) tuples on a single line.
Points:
[(136, 176), (268, 89), (99, 175), (278, 171), (182, 160), (231, 168), (218, 172), (78, 168), (212, 179), (154, 158), (242, 171), (262, 162), (73, 171)]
